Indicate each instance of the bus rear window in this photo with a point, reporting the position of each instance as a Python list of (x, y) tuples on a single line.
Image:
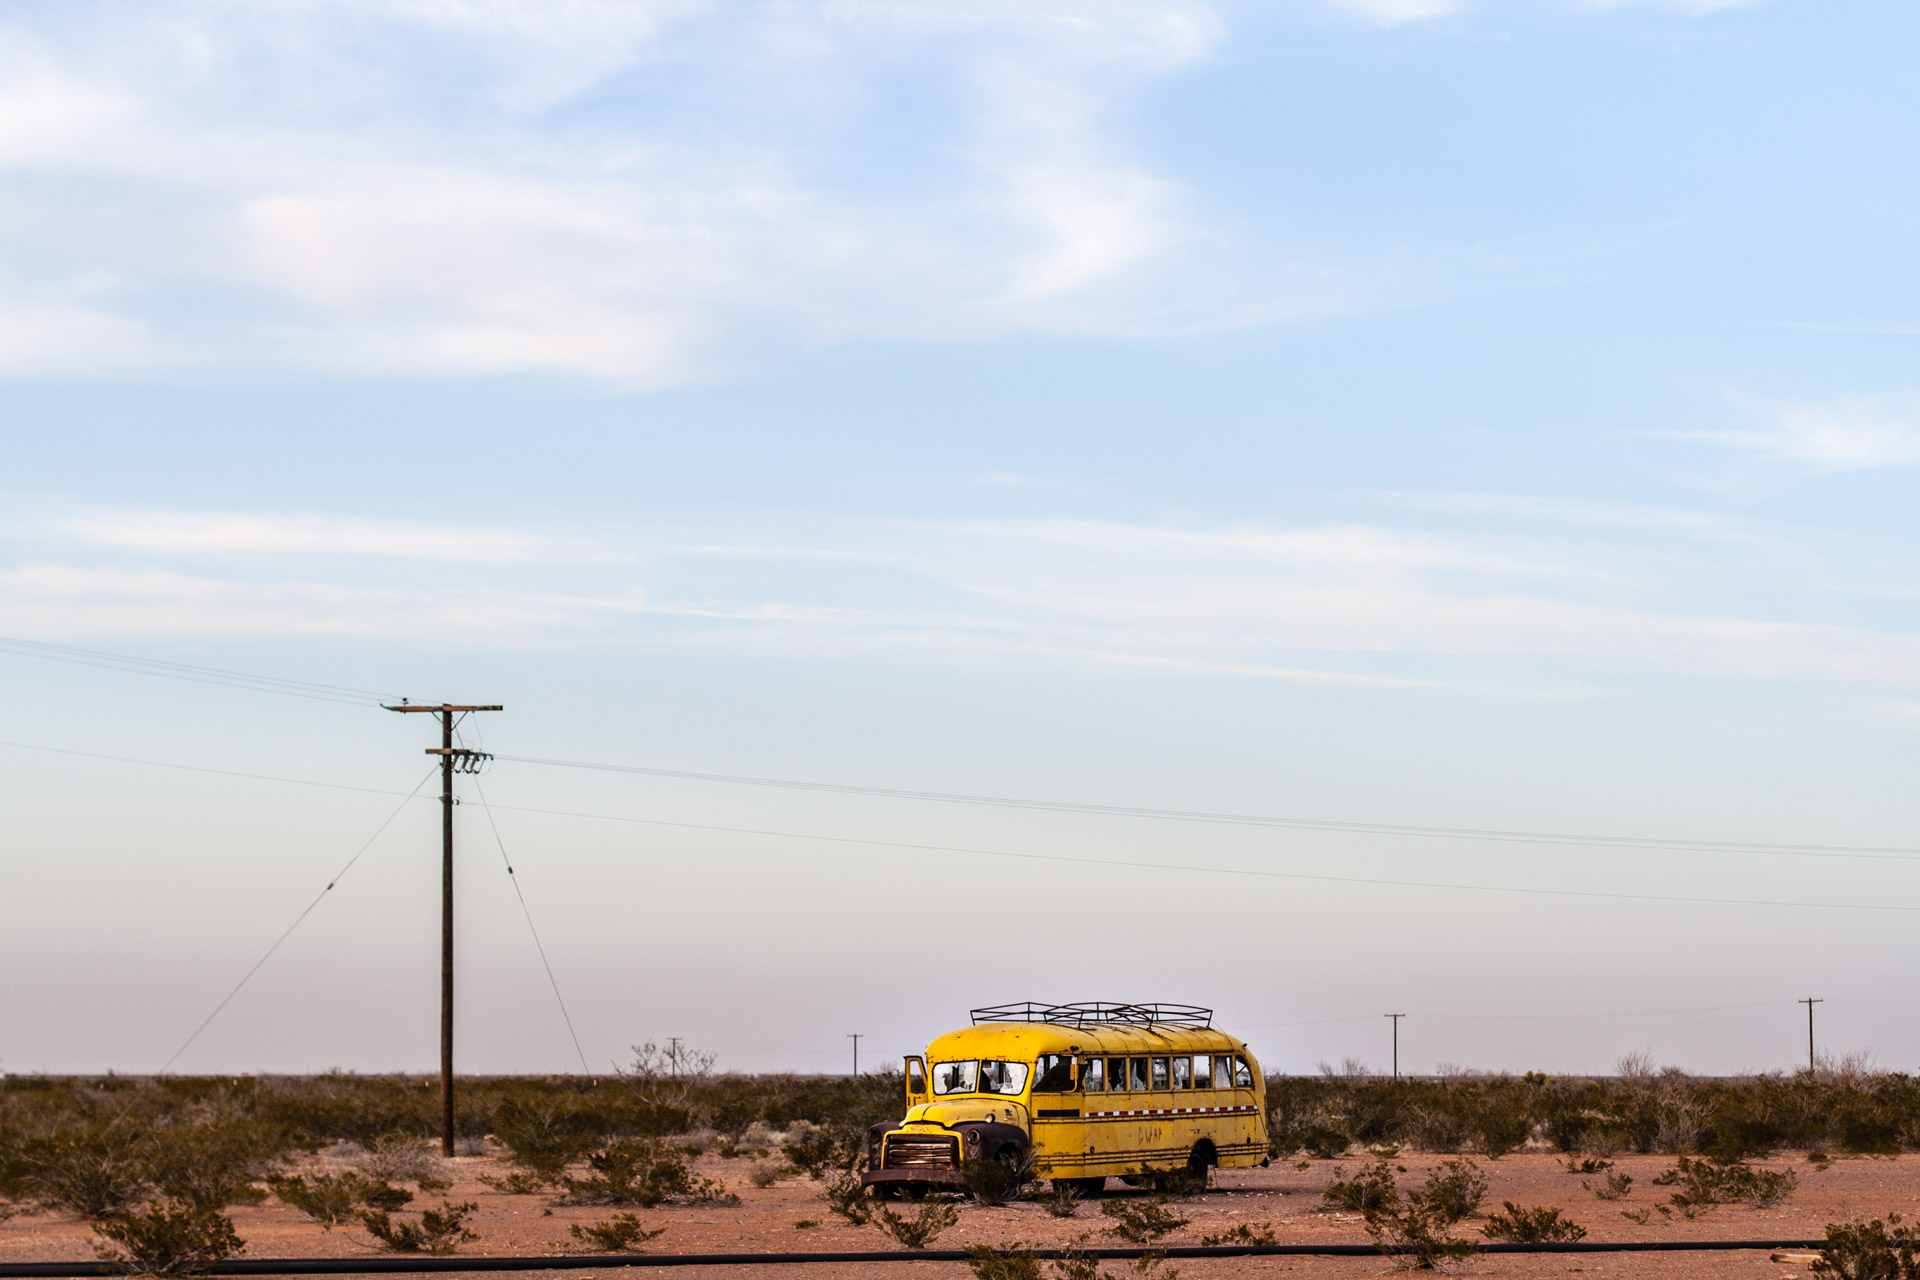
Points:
[(1003, 1077), (955, 1077)]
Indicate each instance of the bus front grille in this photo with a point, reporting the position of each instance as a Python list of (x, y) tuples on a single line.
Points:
[(921, 1151)]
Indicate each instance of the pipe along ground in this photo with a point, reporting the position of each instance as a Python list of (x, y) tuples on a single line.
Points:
[(570, 1262)]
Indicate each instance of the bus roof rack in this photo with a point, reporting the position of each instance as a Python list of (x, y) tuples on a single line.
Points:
[(1098, 1014)]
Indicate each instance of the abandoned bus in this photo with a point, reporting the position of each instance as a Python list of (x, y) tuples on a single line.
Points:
[(1090, 1091)]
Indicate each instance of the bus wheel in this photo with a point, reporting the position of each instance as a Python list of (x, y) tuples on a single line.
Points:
[(1203, 1158), (1087, 1186), (885, 1191)]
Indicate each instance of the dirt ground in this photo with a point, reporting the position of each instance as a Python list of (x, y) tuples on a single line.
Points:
[(1287, 1196)]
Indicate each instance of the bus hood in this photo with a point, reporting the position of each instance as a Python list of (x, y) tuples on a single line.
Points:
[(958, 1111)]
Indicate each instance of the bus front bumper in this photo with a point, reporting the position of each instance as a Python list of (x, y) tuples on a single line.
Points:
[(913, 1177)]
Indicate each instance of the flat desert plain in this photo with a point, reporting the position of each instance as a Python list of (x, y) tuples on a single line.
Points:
[(1286, 1196)]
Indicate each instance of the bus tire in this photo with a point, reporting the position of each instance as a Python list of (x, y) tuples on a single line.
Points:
[(1202, 1159), (1084, 1186)]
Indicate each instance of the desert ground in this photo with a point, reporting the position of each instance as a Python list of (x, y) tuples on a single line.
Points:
[(792, 1214)]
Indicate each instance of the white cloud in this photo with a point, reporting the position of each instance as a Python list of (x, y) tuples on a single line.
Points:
[(460, 185), (1850, 435), (1391, 13), (220, 532)]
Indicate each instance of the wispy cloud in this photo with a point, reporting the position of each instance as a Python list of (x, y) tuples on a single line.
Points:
[(279, 535), (459, 186), (1550, 609), (1848, 435)]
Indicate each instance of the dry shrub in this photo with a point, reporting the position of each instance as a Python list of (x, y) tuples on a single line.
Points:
[(1370, 1189), (1871, 1250), (1242, 1233), (1141, 1221), (168, 1239), (332, 1198), (1531, 1226), (622, 1233), (438, 1231), (936, 1215)]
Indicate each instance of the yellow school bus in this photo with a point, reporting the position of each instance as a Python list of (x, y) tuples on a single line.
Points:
[(1087, 1091)]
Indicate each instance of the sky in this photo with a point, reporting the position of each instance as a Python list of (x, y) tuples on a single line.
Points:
[(1478, 416)]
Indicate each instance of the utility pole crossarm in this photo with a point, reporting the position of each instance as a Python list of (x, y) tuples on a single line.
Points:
[(444, 706)]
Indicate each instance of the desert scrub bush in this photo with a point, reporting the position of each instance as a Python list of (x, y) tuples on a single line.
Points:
[(1615, 1186), (1184, 1180), (1013, 1262), (1587, 1164), (620, 1233), (1540, 1225), (1703, 1184), (1871, 1250), (936, 1215), (402, 1158), (1242, 1233), (1370, 1189), (766, 1173), (90, 1168), (1454, 1190), (544, 1136), (439, 1230), (640, 1171), (1141, 1221), (997, 1179), (207, 1165), (847, 1196), (819, 1150), (1061, 1199), (332, 1198), (518, 1182), (168, 1239)]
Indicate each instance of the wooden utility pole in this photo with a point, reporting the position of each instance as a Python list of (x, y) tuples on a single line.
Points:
[(466, 761), (855, 1037), (1396, 1042), (1810, 1002)]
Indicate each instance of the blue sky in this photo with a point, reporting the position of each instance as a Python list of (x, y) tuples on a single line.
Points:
[(1480, 414)]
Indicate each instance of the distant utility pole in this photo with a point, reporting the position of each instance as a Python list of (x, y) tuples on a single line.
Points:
[(673, 1056), (466, 761), (1810, 1002), (1396, 1042), (855, 1037)]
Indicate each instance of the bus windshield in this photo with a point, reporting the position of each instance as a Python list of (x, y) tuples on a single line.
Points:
[(1003, 1077), (955, 1077), (991, 1076)]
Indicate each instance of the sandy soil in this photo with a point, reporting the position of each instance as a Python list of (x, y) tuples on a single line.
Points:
[(1286, 1196)]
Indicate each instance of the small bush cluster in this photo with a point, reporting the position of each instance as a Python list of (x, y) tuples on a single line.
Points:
[(622, 1233), (439, 1230), (168, 1239), (917, 1232), (1141, 1221), (1871, 1250), (1540, 1225)]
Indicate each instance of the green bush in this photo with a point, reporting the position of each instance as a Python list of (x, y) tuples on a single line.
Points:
[(439, 1230), (1371, 1189), (936, 1215), (333, 1198), (168, 1239), (1531, 1226), (1871, 1250), (1141, 1221), (622, 1233)]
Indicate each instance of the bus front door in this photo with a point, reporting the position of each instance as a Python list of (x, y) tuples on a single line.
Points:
[(916, 1074)]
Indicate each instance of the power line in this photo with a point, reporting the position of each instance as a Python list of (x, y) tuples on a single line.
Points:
[(1045, 857), (1255, 820), (186, 671), (1228, 871), (337, 877), (524, 910)]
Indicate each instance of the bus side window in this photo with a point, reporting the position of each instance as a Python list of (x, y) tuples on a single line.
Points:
[(1222, 1072), (1159, 1073), (1116, 1073), (1093, 1078), (1055, 1074), (1183, 1073), (1137, 1073), (1202, 1071), (1242, 1074)]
